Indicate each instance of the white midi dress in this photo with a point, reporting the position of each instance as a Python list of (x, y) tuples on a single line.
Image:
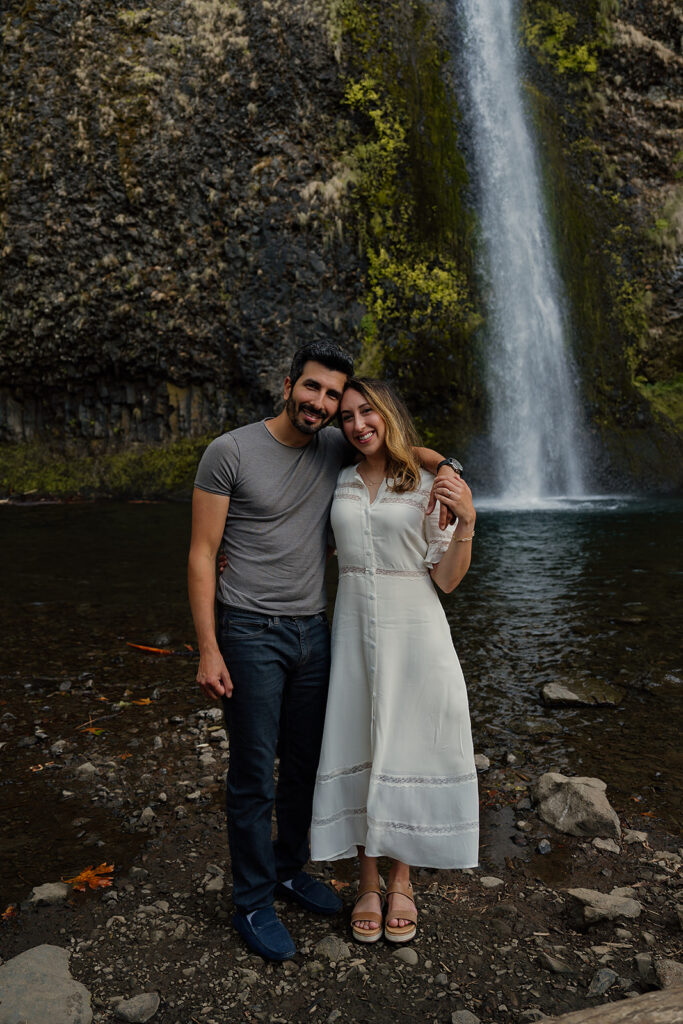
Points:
[(396, 772)]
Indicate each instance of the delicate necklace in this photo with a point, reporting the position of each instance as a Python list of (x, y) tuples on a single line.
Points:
[(368, 479)]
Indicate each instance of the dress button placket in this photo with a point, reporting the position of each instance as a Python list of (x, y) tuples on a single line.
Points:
[(369, 559)]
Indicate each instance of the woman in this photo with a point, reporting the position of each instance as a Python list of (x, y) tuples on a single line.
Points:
[(396, 776)]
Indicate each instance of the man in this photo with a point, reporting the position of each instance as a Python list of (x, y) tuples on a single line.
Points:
[(264, 492)]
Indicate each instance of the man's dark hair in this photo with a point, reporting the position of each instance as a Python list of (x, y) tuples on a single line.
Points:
[(326, 352)]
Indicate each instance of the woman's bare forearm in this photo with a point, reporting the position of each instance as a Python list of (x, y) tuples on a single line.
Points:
[(457, 497), (452, 568)]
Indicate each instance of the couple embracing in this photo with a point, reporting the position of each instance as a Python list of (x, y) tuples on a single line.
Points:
[(381, 765)]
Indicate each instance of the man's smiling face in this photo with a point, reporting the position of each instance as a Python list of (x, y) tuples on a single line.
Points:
[(314, 398)]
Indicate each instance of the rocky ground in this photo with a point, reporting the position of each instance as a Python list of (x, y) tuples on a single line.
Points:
[(504, 943)]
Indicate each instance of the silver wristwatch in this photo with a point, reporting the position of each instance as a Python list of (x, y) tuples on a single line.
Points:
[(453, 463)]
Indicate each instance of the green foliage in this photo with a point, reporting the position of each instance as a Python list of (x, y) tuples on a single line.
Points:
[(142, 471), (678, 165), (665, 397), (408, 206), (551, 34), (667, 231), (418, 290)]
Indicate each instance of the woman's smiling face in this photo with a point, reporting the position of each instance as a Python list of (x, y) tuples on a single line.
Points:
[(361, 423)]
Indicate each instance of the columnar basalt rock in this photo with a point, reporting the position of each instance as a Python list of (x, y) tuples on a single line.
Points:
[(181, 204)]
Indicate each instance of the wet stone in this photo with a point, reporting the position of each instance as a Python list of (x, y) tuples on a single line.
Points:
[(464, 1017), (606, 845), (407, 955), (598, 906), (581, 693), (554, 964), (669, 972), (332, 947), (139, 1009), (535, 726), (602, 981), (147, 817), (50, 893)]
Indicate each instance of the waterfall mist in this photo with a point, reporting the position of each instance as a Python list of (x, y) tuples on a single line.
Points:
[(531, 382)]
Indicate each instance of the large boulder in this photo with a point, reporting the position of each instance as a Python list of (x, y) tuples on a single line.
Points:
[(578, 807), (36, 987)]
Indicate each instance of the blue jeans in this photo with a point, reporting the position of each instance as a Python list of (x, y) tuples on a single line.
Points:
[(280, 671)]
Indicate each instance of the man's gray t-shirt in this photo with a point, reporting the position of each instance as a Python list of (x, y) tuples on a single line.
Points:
[(276, 530)]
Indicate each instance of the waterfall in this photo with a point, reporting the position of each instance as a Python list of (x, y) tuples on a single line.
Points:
[(535, 423)]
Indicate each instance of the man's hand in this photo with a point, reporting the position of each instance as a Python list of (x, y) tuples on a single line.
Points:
[(213, 676), (455, 495), (446, 515)]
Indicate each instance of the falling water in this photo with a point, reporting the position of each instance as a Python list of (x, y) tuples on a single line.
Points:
[(535, 429)]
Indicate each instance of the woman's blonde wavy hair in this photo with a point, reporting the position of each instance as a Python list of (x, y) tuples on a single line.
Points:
[(401, 434)]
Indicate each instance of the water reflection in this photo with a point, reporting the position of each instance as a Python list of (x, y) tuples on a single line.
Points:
[(589, 591)]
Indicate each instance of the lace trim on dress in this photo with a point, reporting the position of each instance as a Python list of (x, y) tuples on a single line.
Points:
[(353, 770), (341, 495), (401, 499), (360, 570), (347, 812), (425, 780), (426, 830), (410, 573)]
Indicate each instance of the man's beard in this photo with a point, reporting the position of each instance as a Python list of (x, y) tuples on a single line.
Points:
[(294, 412)]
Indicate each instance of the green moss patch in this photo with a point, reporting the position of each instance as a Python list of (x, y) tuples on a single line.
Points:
[(141, 471), (665, 398), (408, 207)]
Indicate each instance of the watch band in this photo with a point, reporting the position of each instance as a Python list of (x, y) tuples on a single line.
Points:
[(453, 463)]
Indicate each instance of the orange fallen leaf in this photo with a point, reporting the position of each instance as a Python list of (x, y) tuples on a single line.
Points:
[(41, 767), (103, 698), (647, 814), (152, 650), (189, 647), (94, 878), (142, 701), (10, 912), (124, 756), (339, 885)]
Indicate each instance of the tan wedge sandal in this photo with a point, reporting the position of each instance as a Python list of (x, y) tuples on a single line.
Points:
[(405, 932), (367, 934)]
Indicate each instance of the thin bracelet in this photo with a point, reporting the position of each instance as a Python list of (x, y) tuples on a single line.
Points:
[(463, 540)]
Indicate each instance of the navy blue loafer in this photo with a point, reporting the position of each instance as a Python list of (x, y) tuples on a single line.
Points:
[(310, 894), (265, 934)]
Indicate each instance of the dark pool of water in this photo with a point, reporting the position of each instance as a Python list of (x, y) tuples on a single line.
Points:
[(585, 590)]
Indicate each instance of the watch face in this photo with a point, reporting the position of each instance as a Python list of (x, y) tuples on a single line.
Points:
[(454, 464)]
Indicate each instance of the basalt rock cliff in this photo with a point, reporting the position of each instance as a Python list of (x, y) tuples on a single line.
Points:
[(190, 189)]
